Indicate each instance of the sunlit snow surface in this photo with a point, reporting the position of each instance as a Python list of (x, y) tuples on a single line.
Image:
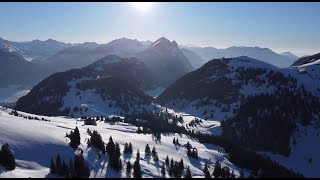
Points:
[(34, 142)]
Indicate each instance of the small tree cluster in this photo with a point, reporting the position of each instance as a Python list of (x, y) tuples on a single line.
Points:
[(7, 159), (128, 148), (74, 137), (176, 168), (176, 142), (76, 169), (193, 153), (96, 141), (113, 151), (90, 121), (223, 172)]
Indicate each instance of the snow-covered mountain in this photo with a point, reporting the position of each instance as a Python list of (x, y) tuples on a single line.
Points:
[(263, 54), (166, 60), (307, 59), (111, 85), (34, 50), (251, 99)]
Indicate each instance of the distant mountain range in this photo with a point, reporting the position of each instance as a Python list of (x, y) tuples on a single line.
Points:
[(165, 58), (263, 54)]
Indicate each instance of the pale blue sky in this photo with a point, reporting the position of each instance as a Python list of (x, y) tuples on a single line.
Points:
[(282, 27)]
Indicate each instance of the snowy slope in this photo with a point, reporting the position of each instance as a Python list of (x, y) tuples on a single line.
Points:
[(34, 142)]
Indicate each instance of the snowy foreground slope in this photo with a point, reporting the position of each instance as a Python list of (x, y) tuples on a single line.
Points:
[(34, 142)]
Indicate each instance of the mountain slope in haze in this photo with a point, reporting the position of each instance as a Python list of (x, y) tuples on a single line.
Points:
[(263, 54), (35, 50), (250, 98), (306, 60), (290, 56), (195, 60), (14, 70), (166, 60), (111, 85), (87, 53)]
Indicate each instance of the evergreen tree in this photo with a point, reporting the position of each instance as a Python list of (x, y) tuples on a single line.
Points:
[(188, 146), (126, 148), (81, 170), (110, 146), (96, 141), (74, 138), (7, 159), (71, 168), (52, 166), (59, 169), (167, 160), (174, 141), (136, 170), (163, 170), (181, 165), (206, 171), (76, 134), (154, 152), (138, 155), (130, 148), (177, 141), (188, 173), (217, 169), (129, 167), (147, 150)]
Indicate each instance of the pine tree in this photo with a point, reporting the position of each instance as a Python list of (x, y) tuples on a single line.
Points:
[(188, 145), (154, 152), (71, 168), (147, 150), (171, 162), (177, 141), (206, 171), (136, 170), (138, 156), (52, 166), (7, 158), (174, 140), (129, 167), (163, 170), (130, 148), (58, 165), (110, 146), (167, 160), (74, 138), (126, 148), (81, 170), (188, 173), (181, 165), (217, 169)]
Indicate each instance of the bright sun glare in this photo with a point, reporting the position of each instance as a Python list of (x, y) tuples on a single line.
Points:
[(142, 6)]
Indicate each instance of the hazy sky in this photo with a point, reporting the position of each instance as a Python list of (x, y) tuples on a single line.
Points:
[(282, 27)]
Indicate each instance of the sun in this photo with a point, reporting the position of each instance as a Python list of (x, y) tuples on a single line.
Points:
[(142, 6)]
